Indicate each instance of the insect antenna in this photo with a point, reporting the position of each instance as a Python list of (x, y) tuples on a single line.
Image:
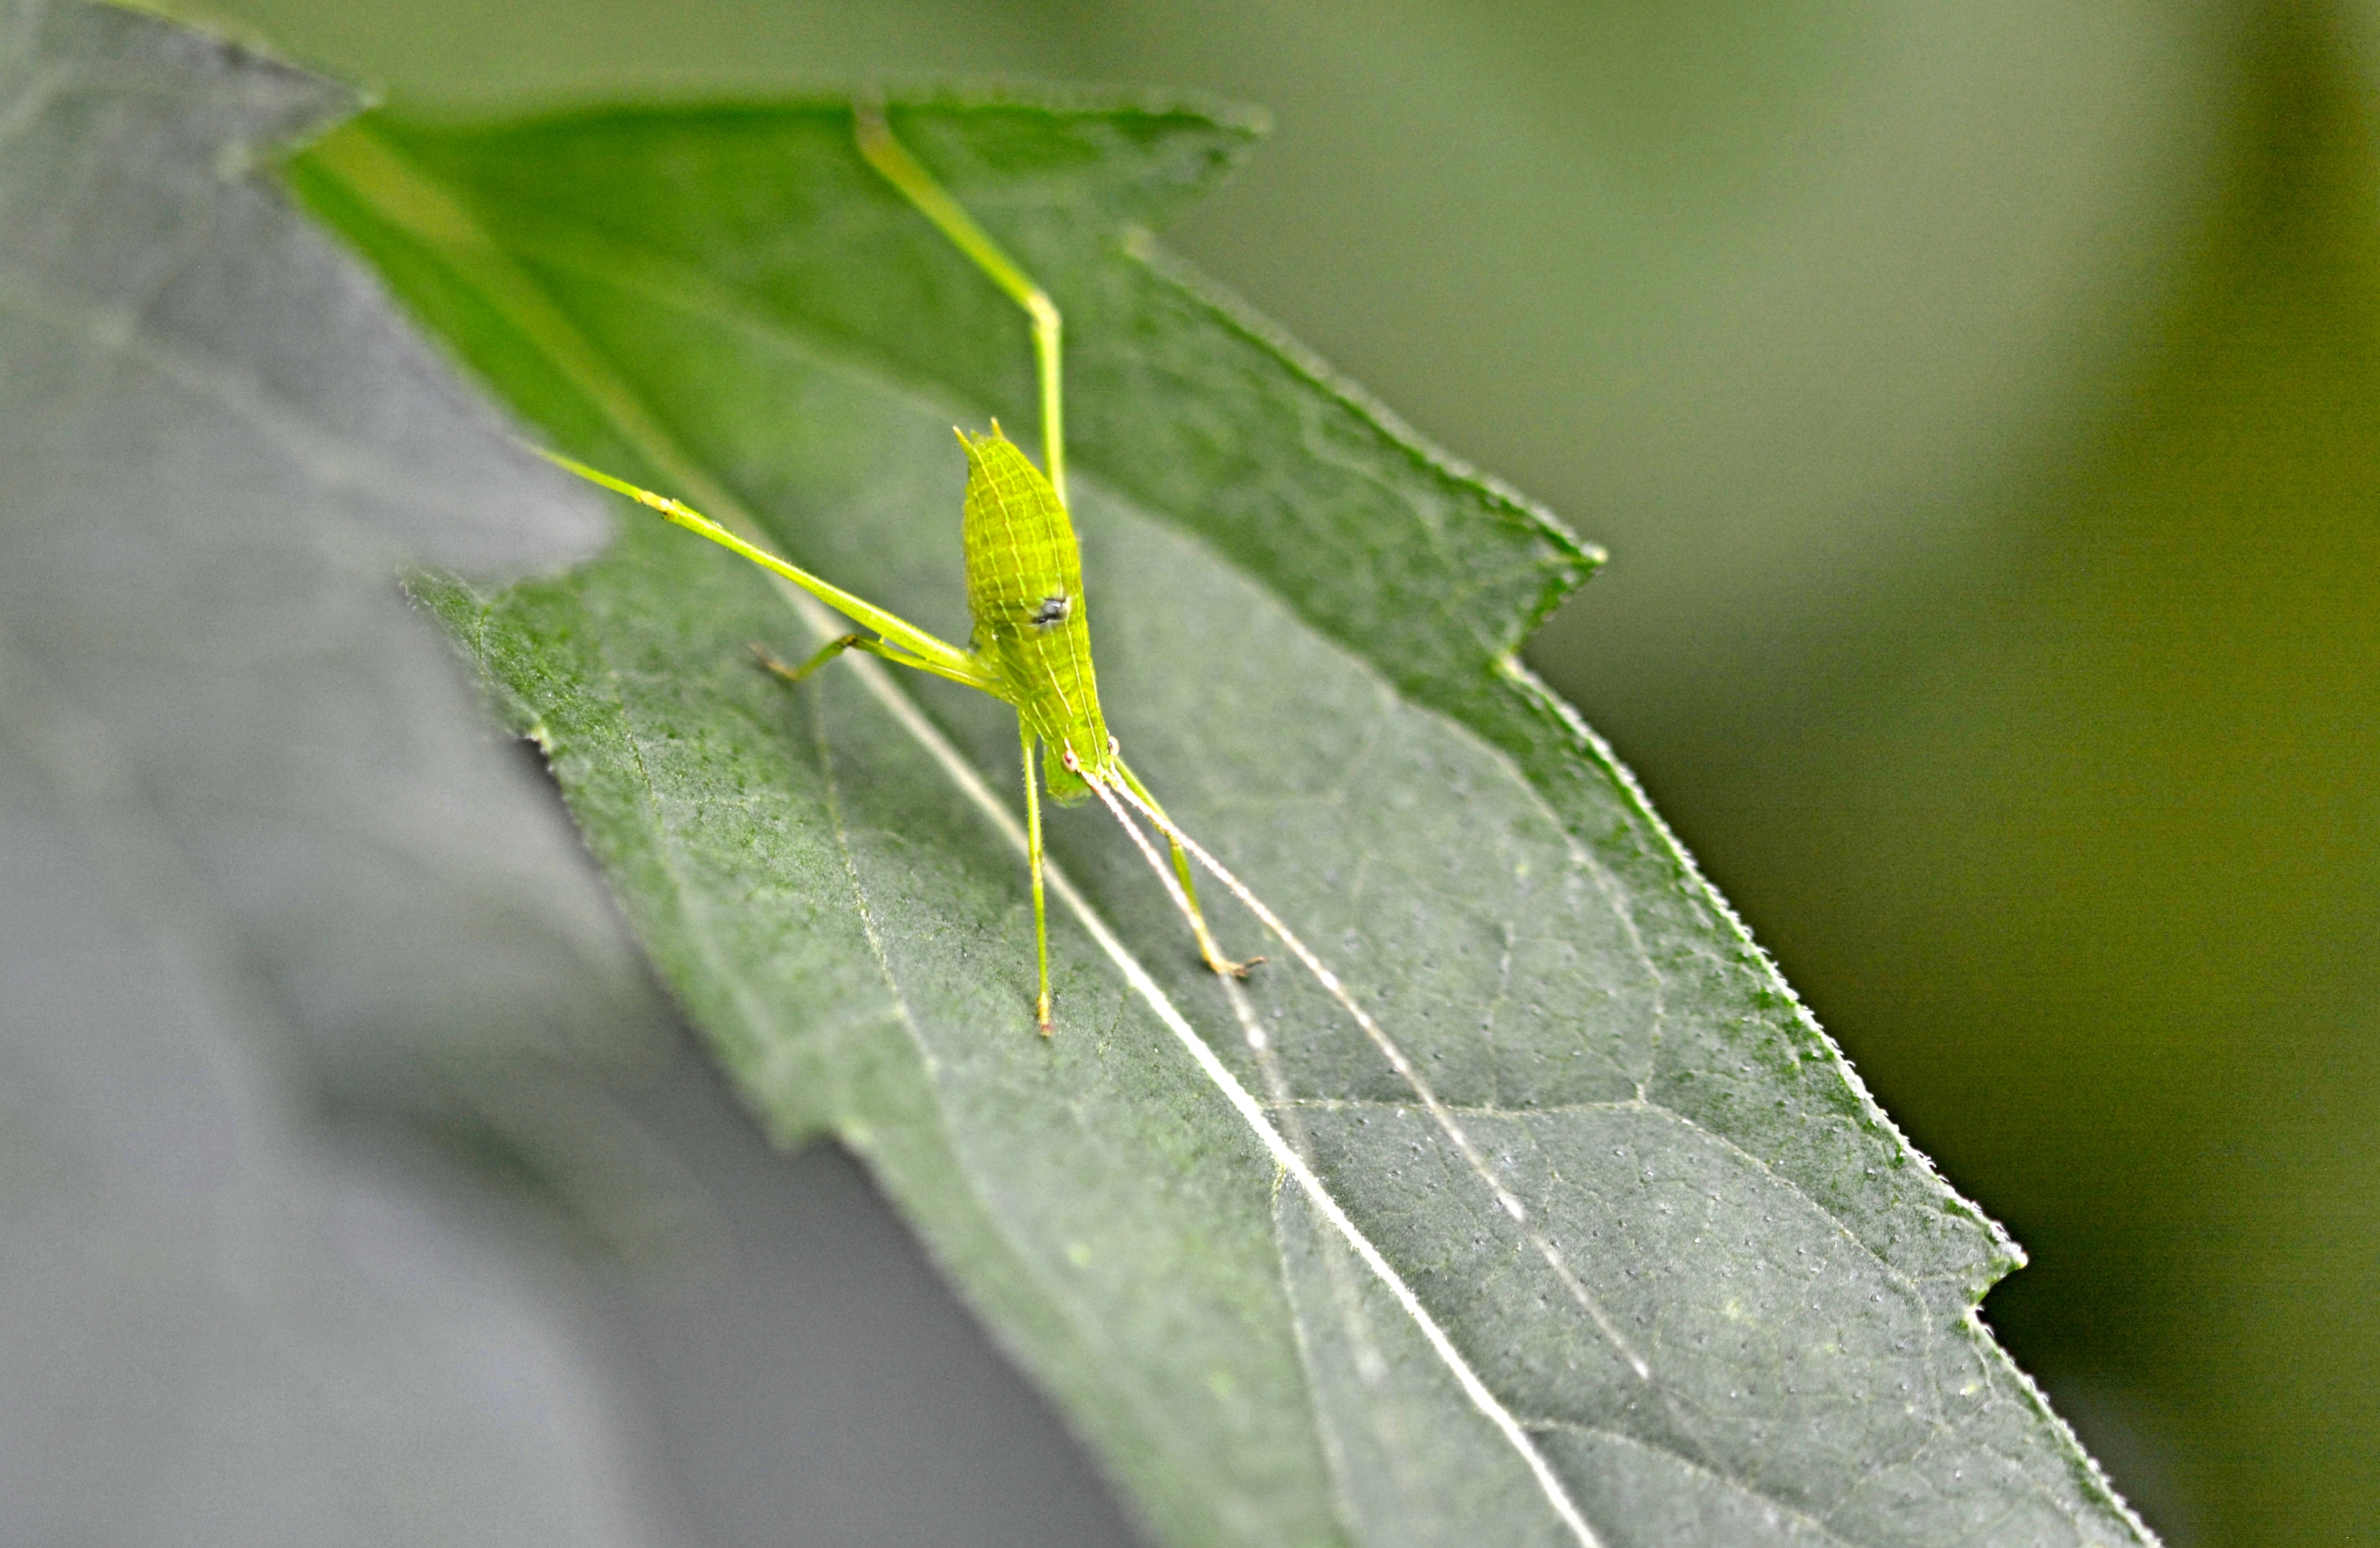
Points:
[(1116, 798)]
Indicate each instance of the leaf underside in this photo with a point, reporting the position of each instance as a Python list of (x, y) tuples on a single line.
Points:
[(260, 856), (1303, 621)]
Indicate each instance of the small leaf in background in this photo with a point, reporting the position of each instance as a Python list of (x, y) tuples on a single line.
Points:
[(264, 858), (1740, 1309)]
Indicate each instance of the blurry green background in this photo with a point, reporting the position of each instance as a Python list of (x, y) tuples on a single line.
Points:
[(1981, 405)]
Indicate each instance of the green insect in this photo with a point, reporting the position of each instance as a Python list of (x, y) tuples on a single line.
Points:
[(1032, 640)]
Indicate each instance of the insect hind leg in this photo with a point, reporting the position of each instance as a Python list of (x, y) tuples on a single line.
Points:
[(904, 171)]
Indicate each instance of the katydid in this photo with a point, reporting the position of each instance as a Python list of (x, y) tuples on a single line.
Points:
[(1032, 644)]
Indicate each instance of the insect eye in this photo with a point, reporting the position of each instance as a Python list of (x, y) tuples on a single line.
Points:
[(1054, 610)]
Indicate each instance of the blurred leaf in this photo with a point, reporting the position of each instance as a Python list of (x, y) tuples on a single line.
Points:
[(261, 852), (1742, 1309), (2097, 829)]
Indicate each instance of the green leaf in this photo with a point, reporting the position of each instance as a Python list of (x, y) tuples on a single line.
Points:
[(263, 859), (1731, 1303)]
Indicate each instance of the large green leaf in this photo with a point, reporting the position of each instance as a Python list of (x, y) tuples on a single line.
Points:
[(1692, 1287)]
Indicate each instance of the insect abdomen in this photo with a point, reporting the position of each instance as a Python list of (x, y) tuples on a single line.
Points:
[(1025, 590)]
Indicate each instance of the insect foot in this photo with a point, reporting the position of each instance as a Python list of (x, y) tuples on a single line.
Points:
[(1232, 969)]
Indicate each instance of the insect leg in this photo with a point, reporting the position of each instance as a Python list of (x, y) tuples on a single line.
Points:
[(1206, 948), (906, 172), (891, 653), (795, 674), (925, 652), (1033, 860), (830, 651)]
